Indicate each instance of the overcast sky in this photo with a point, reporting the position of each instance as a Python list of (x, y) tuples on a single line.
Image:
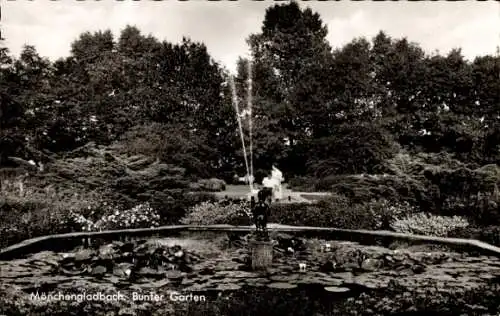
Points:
[(224, 26)]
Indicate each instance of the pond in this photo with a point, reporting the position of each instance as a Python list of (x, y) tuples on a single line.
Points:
[(307, 277)]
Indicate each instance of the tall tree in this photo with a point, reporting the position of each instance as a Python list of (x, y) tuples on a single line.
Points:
[(352, 84), (486, 91), (11, 111), (291, 55)]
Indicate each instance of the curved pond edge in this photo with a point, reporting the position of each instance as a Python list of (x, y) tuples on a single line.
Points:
[(69, 240)]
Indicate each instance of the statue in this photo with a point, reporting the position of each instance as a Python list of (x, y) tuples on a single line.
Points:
[(260, 211)]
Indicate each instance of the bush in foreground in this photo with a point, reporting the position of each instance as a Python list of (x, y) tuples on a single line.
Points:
[(339, 211), (429, 225), (221, 212), (488, 234), (30, 209), (212, 185), (140, 216)]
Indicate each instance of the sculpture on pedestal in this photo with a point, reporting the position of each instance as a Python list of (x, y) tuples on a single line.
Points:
[(260, 211), (261, 208)]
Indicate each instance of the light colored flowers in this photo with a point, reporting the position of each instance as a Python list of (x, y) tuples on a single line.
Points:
[(429, 225), (140, 216), (209, 213)]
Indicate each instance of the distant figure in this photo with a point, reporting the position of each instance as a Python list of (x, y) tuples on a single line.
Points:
[(261, 210)]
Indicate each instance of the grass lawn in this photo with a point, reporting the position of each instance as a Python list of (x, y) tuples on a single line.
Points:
[(312, 196), (240, 191)]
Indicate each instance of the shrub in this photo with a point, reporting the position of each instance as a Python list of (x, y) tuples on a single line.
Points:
[(404, 164), (140, 216), (191, 199), (303, 184), (429, 225), (19, 226), (212, 185), (339, 211), (385, 212), (320, 214), (434, 182), (361, 188), (300, 214), (173, 144), (351, 149), (481, 208), (40, 210), (211, 213), (488, 234)]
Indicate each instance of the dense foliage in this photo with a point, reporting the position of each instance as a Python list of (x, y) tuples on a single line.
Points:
[(130, 119), (317, 111)]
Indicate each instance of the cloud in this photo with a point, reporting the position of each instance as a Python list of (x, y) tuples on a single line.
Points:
[(224, 26)]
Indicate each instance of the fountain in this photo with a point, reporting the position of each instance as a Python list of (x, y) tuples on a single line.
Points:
[(274, 182)]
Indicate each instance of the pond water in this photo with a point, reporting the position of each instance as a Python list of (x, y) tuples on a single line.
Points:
[(218, 267)]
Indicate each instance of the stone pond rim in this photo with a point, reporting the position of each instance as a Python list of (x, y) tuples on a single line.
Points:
[(42, 243)]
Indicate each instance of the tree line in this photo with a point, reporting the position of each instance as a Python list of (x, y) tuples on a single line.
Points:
[(318, 111)]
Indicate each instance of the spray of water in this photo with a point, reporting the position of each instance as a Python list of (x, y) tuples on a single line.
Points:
[(249, 99), (236, 108)]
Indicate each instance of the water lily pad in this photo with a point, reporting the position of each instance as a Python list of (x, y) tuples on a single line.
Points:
[(72, 272), (107, 249), (347, 277), (67, 256), (158, 284), (336, 289), (256, 284), (284, 278), (371, 264), (99, 270), (119, 272), (228, 287), (258, 280), (84, 255), (148, 272), (195, 287), (188, 282), (174, 275), (370, 282), (112, 279), (309, 280), (126, 312), (331, 281), (281, 285), (241, 274)]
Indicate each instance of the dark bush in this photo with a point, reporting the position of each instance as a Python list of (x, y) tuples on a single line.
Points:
[(481, 209), (488, 234), (335, 211), (303, 184), (352, 149), (212, 185)]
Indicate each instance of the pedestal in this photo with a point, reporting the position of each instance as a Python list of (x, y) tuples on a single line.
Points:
[(262, 254)]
